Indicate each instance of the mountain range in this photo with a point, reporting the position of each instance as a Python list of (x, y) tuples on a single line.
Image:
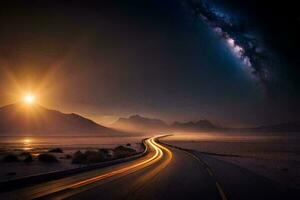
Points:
[(138, 123), (198, 125), (144, 124), (19, 118), (23, 119), (281, 127)]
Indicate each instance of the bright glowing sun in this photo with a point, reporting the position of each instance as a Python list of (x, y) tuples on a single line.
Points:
[(29, 99), (27, 141)]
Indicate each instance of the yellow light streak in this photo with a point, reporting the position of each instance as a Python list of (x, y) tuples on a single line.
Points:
[(157, 156)]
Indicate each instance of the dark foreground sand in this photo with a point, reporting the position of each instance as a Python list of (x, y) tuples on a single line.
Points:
[(275, 156), (36, 146)]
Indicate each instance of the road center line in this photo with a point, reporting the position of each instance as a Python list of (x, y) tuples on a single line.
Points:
[(222, 194), (209, 171)]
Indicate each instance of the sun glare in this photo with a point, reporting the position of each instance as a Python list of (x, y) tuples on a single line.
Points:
[(29, 99), (27, 141)]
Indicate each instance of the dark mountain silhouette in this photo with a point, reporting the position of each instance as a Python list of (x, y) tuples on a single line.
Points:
[(199, 125), (25, 119), (143, 124), (139, 123), (288, 127)]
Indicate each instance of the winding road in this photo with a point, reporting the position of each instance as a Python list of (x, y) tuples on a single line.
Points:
[(163, 173)]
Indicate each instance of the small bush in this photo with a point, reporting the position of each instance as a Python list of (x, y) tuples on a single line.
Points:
[(26, 157), (104, 151), (101, 155), (68, 156), (94, 156), (24, 153), (10, 158), (128, 145), (79, 158), (56, 150), (49, 158), (121, 152), (88, 157)]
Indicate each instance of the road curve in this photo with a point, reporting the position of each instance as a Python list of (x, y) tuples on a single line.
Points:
[(158, 154), (182, 178), (69, 186), (164, 173)]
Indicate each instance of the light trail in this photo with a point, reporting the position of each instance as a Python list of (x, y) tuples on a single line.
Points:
[(144, 179), (68, 187), (157, 156)]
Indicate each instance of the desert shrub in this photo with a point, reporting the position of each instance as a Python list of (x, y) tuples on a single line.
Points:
[(121, 152), (68, 156), (94, 156), (56, 150), (45, 157), (101, 155), (26, 157), (79, 158), (10, 158), (88, 157), (107, 154), (128, 145), (24, 153)]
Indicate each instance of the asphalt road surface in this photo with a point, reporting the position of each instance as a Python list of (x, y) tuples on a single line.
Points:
[(164, 173)]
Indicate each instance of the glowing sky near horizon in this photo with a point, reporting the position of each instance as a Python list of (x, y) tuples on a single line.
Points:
[(153, 58)]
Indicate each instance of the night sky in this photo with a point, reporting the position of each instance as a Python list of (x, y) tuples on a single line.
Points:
[(233, 62)]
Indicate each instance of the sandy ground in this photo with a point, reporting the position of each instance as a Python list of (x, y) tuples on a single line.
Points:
[(20, 169), (275, 156)]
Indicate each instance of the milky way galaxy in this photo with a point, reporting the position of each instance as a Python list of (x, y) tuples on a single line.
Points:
[(245, 45)]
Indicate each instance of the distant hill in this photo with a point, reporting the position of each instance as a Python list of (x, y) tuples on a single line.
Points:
[(195, 126), (139, 123), (287, 127), (25, 119), (144, 124)]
